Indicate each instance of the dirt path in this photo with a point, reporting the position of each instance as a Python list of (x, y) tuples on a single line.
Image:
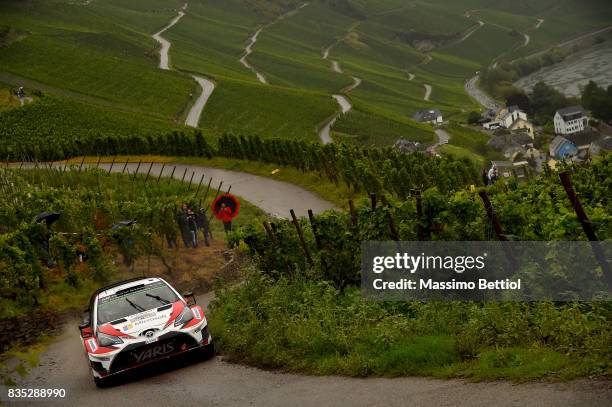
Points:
[(540, 21), (273, 197), (248, 49), (427, 91), (218, 383), (410, 76), (443, 137), (193, 117), (345, 106), (343, 102), (470, 32)]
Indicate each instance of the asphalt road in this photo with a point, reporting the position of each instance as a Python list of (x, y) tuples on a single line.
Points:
[(481, 97), (274, 197), (218, 383)]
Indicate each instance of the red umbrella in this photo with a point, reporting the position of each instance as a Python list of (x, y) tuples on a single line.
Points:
[(230, 202)]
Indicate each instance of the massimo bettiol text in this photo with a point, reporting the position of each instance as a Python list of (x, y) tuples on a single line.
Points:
[(483, 271)]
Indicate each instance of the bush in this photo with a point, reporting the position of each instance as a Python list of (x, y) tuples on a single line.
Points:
[(306, 325)]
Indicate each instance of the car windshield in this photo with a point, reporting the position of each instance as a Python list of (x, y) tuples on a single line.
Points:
[(134, 300)]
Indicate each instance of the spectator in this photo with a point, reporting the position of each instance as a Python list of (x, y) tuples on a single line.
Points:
[(203, 224), (225, 214)]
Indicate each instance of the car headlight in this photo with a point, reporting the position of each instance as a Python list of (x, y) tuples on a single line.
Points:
[(107, 340), (186, 316)]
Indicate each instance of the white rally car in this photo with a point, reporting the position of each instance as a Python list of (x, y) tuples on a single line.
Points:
[(135, 322)]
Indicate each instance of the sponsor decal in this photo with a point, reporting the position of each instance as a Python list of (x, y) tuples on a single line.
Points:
[(143, 315), (92, 345), (196, 312), (149, 320), (153, 352), (127, 327)]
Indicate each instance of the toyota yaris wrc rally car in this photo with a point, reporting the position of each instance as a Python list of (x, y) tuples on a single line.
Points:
[(135, 322)]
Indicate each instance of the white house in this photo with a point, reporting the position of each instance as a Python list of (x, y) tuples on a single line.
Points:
[(433, 116), (511, 118), (570, 120)]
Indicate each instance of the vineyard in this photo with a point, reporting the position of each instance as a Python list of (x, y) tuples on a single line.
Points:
[(361, 169), (304, 301), (85, 246)]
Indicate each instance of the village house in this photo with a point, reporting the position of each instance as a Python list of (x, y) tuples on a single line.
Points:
[(433, 116), (570, 120), (511, 118), (561, 148)]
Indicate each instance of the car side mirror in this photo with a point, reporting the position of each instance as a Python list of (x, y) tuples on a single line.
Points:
[(85, 324), (190, 298), (85, 330)]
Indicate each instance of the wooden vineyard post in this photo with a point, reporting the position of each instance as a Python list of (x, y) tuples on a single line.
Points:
[(124, 165), (184, 173), (392, 228), (111, 166), (313, 225), (190, 181), (207, 189), (137, 169), (161, 172), (148, 172), (587, 226), (353, 214), (298, 228), (373, 201), (497, 227), (99, 160), (492, 215), (229, 189), (419, 214), (199, 186), (172, 174), (269, 232), (82, 162)]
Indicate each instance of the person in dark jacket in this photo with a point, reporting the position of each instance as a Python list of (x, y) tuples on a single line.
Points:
[(181, 220), (192, 225), (203, 224)]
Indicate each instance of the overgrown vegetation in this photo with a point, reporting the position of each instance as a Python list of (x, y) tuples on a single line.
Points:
[(310, 317), (60, 266), (305, 325)]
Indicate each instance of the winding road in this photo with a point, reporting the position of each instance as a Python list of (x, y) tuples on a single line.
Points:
[(481, 97), (345, 106), (443, 138), (427, 92), (248, 49), (274, 197), (218, 383), (343, 102), (193, 117)]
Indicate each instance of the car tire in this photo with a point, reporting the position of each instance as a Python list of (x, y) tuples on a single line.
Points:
[(208, 351), (102, 382)]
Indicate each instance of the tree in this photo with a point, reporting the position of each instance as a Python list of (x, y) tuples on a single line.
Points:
[(598, 101), (474, 117), (518, 97), (545, 100)]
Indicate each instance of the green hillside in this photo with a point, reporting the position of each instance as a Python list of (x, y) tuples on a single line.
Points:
[(102, 54)]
